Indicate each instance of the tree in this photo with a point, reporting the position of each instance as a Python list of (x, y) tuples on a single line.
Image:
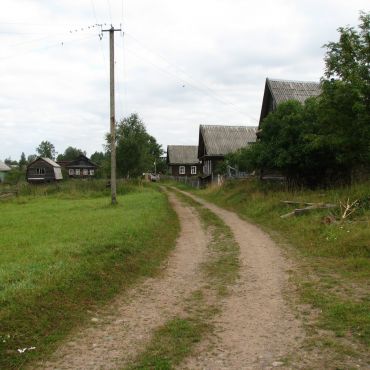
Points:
[(345, 103), (22, 162), (31, 158), (136, 149), (46, 149), (70, 154), (327, 139)]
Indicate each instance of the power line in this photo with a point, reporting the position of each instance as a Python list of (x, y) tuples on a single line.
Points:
[(194, 83)]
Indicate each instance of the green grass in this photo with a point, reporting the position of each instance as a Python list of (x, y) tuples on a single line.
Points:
[(62, 255), (176, 339), (334, 264)]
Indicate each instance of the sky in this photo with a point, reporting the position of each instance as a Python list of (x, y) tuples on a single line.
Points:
[(179, 64)]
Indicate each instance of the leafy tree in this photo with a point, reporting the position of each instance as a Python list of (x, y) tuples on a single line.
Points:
[(136, 149), (70, 154), (345, 103), (31, 158), (46, 149), (22, 162), (10, 162), (328, 138)]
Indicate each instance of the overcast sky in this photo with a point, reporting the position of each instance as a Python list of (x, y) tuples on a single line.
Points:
[(181, 63)]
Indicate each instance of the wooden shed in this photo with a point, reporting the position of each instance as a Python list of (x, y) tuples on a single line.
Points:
[(216, 141), (279, 91), (43, 170), (182, 160), (3, 171)]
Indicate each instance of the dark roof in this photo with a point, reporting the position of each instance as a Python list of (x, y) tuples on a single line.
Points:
[(279, 91), (215, 140), (182, 154), (81, 162)]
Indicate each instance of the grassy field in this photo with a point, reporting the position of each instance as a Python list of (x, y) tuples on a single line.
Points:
[(333, 259), (63, 253)]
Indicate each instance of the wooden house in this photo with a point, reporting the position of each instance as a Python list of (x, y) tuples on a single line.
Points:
[(3, 171), (215, 142), (182, 160), (43, 170), (81, 167), (279, 91)]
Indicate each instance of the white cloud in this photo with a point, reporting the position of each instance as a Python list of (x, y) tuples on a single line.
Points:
[(183, 63)]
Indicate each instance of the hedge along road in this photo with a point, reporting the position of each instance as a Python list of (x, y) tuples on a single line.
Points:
[(257, 329)]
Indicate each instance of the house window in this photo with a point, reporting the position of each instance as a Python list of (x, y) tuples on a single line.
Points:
[(40, 171), (182, 170), (91, 172), (85, 172), (71, 171), (77, 171), (193, 170)]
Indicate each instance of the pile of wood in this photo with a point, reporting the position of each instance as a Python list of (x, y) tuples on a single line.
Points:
[(307, 207)]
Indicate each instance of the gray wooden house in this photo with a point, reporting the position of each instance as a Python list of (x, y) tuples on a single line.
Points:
[(3, 171), (216, 141), (279, 91), (182, 160), (81, 167), (43, 170)]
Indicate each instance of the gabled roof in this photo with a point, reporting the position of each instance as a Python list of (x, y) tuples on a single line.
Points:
[(81, 162), (50, 161), (4, 167), (279, 91), (182, 154), (216, 140)]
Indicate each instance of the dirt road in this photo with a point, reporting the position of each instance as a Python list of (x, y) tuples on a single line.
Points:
[(119, 332), (257, 329)]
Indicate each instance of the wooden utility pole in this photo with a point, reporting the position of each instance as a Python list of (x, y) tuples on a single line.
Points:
[(113, 179)]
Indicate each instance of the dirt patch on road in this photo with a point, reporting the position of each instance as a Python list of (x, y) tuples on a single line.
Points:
[(256, 329), (119, 332)]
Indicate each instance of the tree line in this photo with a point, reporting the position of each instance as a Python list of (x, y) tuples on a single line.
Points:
[(326, 140), (137, 152)]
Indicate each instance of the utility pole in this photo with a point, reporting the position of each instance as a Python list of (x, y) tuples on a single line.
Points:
[(113, 179)]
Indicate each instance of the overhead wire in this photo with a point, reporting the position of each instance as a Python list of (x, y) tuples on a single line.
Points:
[(189, 79)]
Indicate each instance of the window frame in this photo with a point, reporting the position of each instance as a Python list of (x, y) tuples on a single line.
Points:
[(193, 170), (182, 170)]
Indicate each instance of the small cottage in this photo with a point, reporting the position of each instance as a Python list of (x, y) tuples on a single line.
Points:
[(3, 171), (81, 167), (43, 170), (182, 160), (215, 142), (279, 91)]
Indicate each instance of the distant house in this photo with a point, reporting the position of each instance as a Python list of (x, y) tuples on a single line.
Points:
[(279, 91), (182, 160), (215, 142), (81, 167), (3, 171), (43, 170)]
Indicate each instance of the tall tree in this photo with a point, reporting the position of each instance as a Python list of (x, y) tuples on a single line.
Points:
[(136, 149), (46, 149), (345, 103), (23, 161), (70, 154)]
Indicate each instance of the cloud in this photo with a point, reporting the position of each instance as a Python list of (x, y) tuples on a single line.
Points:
[(181, 63)]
